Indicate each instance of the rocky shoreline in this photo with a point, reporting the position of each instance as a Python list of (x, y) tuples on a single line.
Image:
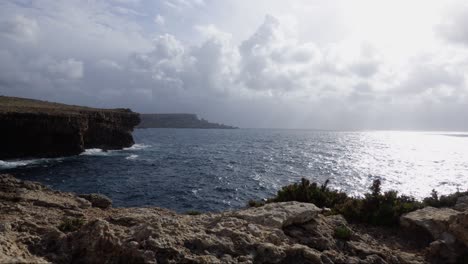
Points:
[(40, 225), (38, 129)]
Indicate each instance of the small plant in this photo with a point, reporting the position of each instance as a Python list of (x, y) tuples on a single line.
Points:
[(193, 212), (343, 232), (71, 224), (254, 203)]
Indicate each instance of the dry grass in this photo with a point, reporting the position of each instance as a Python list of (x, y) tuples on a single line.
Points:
[(23, 105)]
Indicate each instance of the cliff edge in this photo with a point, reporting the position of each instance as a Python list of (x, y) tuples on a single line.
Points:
[(40, 225), (38, 129)]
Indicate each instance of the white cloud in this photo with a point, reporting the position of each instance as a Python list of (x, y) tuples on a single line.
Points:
[(181, 4), (307, 64), (454, 27), (159, 20)]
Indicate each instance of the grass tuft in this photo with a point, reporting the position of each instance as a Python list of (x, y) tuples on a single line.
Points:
[(71, 224)]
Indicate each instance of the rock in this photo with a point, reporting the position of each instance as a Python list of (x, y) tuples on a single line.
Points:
[(458, 226), (97, 200), (448, 229), (279, 215), (433, 221), (288, 232), (462, 203), (37, 129), (440, 251)]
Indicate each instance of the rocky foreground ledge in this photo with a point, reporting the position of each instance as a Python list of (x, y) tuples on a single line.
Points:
[(37, 129), (39, 225)]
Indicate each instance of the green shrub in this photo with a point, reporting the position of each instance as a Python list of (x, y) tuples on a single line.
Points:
[(374, 208), (254, 203), (444, 200), (343, 232), (71, 224), (377, 208), (308, 192), (193, 212)]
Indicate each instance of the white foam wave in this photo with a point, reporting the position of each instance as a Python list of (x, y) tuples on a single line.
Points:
[(95, 152), (132, 157), (14, 164), (138, 147), (21, 163)]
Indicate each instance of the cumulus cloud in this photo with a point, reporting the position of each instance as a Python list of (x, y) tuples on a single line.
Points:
[(258, 70)]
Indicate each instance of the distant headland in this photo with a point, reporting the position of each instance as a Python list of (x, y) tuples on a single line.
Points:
[(178, 121)]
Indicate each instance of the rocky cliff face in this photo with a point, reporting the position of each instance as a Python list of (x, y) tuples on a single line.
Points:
[(40, 225), (31, 128)]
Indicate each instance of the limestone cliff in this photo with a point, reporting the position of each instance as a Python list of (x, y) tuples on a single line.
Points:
[(39, 225), (32, 128)]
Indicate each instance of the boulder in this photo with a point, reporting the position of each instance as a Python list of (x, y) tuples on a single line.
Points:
[(97, 200), (458, 226), (462, 203), (433, 221), (279, 215)]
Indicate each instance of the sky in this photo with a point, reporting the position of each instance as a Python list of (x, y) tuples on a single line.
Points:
[(334, 64)]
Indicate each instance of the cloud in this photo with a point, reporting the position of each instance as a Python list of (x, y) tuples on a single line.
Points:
[(159, 20), (20, 28), (181, 4), (253, 70), (454, 27), (70, 69)]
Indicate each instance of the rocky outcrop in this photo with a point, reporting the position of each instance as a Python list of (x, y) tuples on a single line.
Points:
[(177, 121), (97, 200), (462, 203), (445, 229), (41, 225), (36, 129)]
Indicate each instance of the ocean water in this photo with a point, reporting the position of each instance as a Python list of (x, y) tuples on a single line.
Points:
[(214, 170)]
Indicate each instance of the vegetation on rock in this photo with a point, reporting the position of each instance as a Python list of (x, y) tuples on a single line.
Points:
[(443, 200), (70, 224), (343, 232), (375, 208)]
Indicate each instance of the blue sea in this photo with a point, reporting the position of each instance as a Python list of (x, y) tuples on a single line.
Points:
[(214, 170)]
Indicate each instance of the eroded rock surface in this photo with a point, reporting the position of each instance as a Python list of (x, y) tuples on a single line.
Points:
[(35, 226), (446, 229)]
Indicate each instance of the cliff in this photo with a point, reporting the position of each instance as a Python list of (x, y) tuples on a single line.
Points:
[(32, 128), (39, 225), (177, 121)]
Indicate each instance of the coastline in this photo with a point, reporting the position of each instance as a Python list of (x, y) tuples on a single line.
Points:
[(42, 225)]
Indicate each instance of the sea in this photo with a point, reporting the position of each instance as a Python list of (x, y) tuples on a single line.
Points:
[(215, 170)]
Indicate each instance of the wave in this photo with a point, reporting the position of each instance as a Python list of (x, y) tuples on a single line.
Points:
[(95, 152), (132, 157), (21, 163), (138, 147), (14, 164)]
